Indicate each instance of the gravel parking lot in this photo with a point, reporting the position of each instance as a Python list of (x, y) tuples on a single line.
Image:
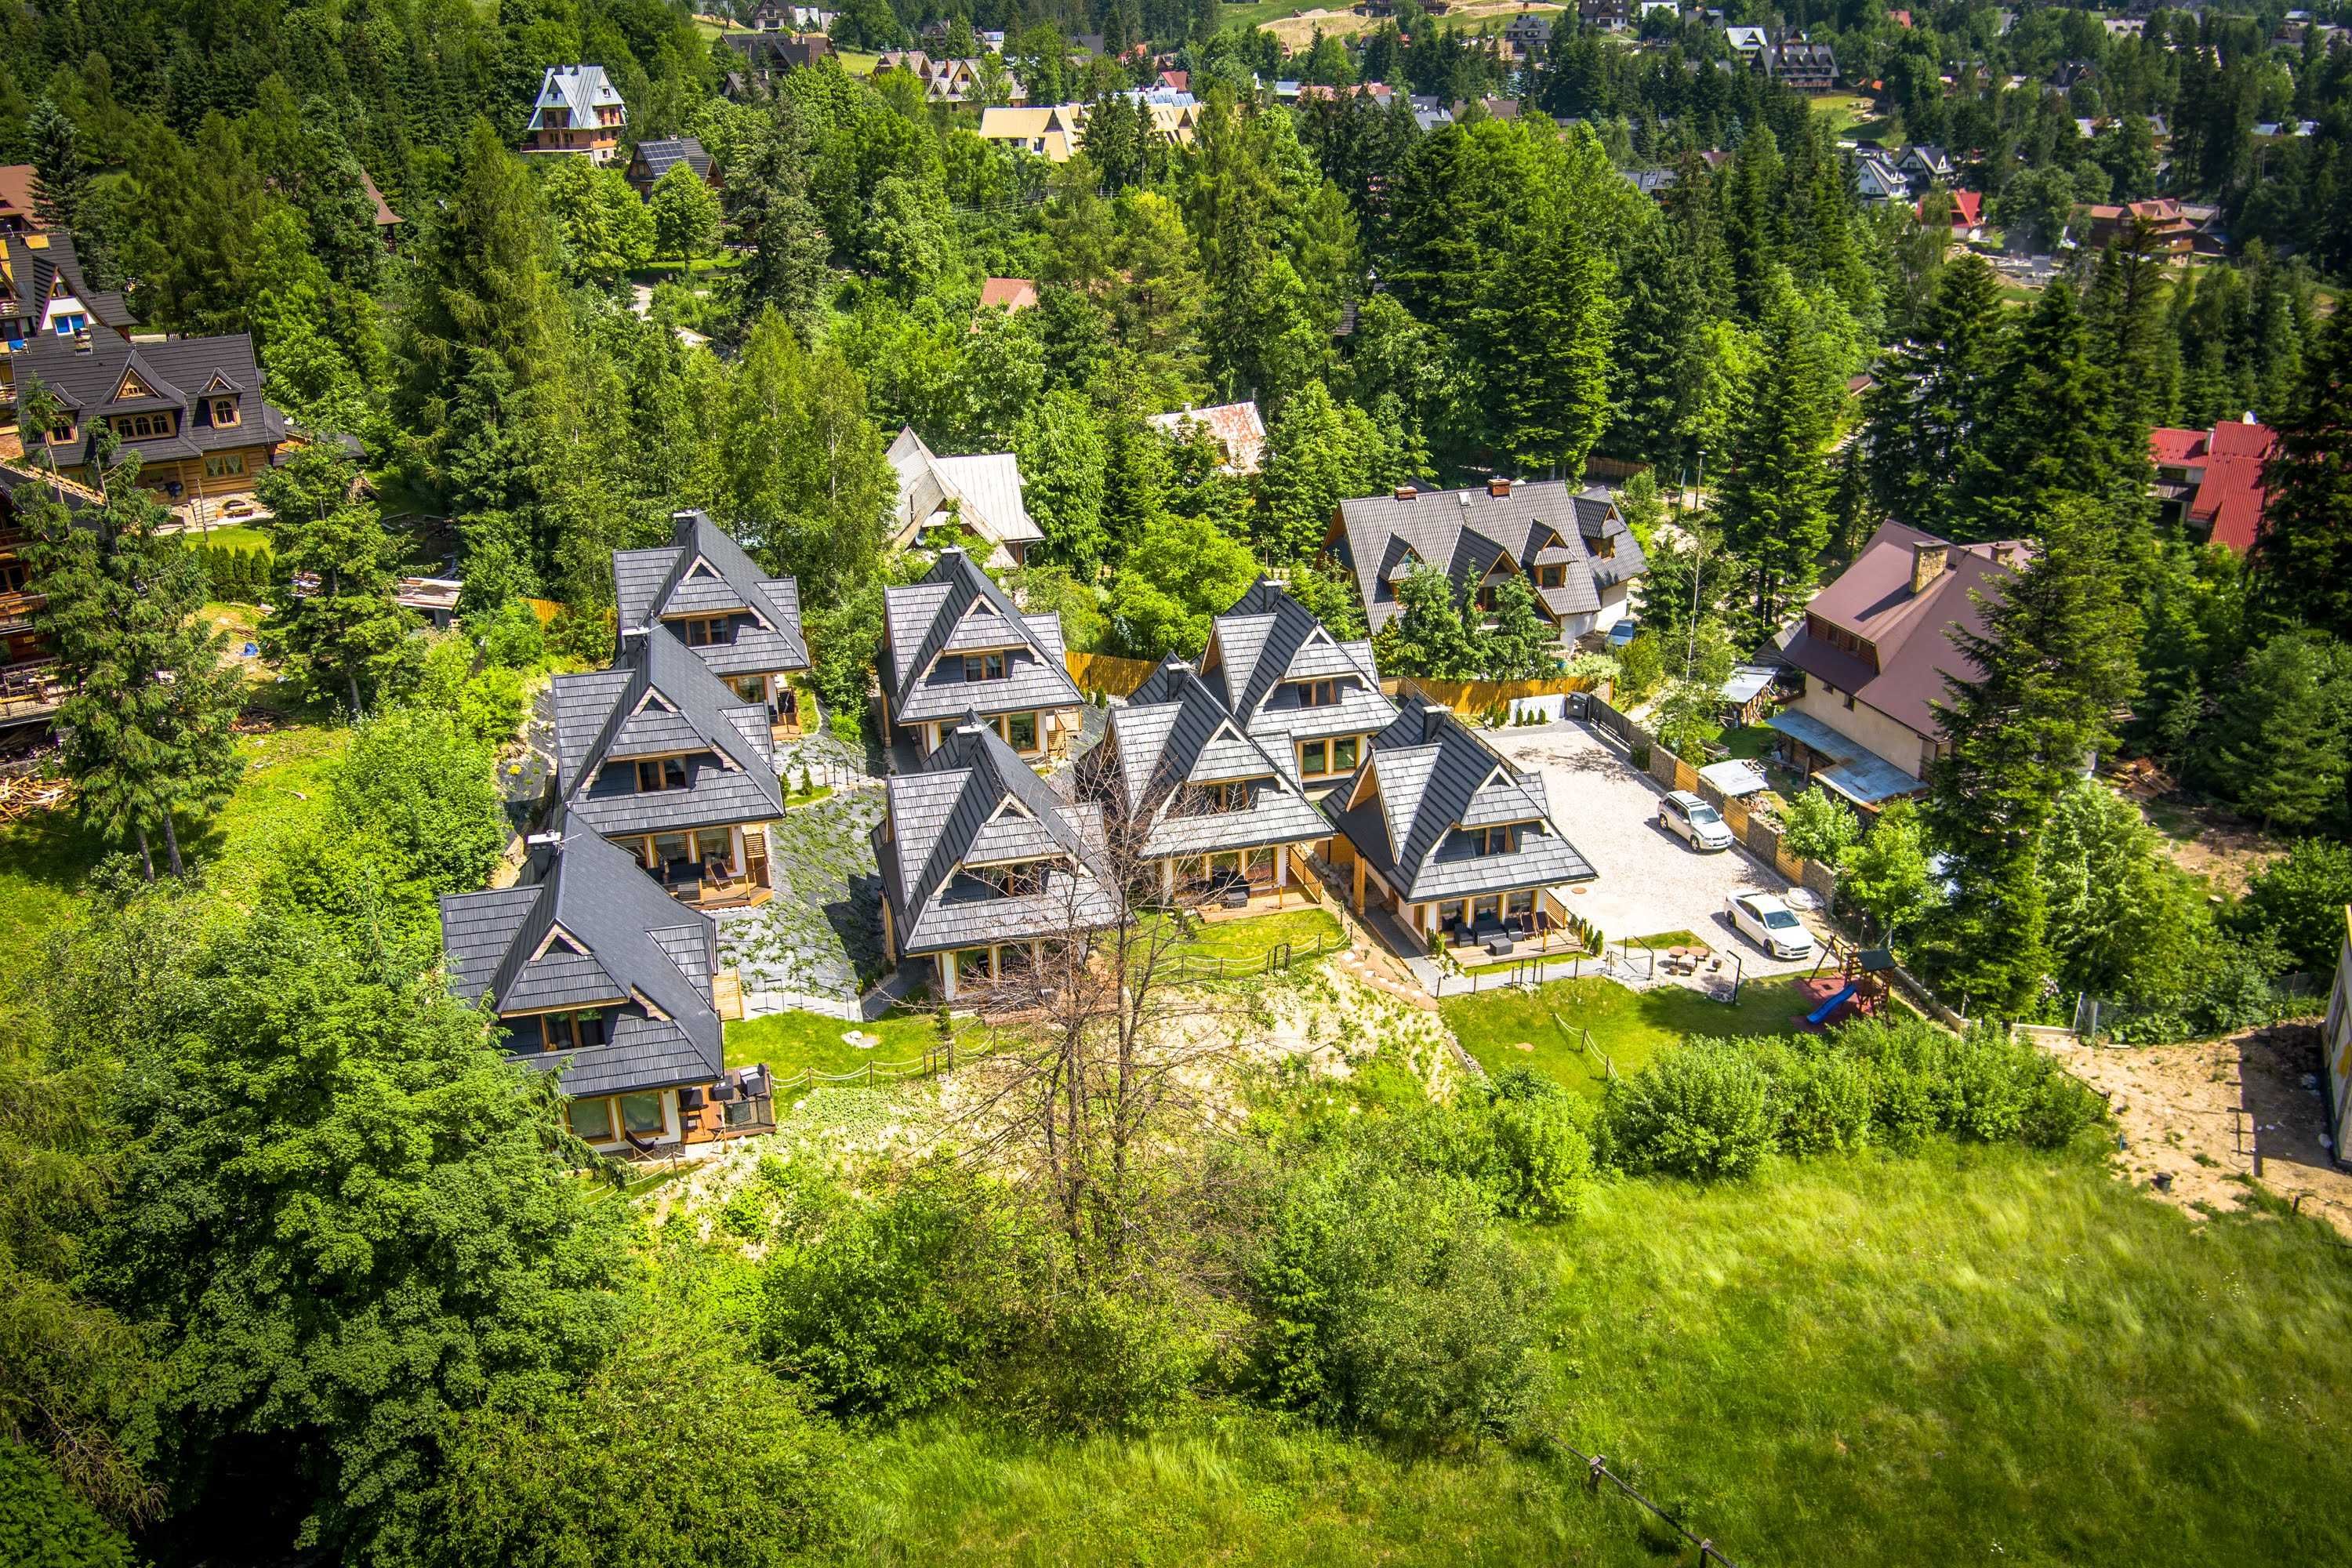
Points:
[(1649, 880)]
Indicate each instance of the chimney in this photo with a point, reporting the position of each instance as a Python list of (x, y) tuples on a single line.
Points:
[(1406, 492), (1927, 564), (537, 839), (1498, 486)]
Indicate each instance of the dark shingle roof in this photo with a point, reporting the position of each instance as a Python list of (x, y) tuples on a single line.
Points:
[(703, 571), (33, 265), (182, 374), (1269, 640), (594, 931), (660, 696), (1183, 734), (660, 157), (976, 801), (957, 607), (1467, 531), (1434, 778)]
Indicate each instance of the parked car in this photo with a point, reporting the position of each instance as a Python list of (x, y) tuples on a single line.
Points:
[(1694, 822), (1623, 632), (1770, 924)]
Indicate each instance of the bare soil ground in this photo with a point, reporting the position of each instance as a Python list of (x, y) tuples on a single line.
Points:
[(2222, 1117), (1299, 31), (2208, 840)]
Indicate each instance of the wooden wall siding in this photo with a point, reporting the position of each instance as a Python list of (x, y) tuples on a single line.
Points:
[(1108, 674)]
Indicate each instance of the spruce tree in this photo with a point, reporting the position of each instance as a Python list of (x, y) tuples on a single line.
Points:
[(343, 635), (1774, 506), (2302, 559), (1662, 354), (1543, 332), (1931, 395), (769, 211), (2056, 663), (146, 728), (2281, 747)]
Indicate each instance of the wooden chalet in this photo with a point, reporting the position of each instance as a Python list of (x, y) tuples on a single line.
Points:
[(661, 757), (595, 975), (703, 593), (578, 113)]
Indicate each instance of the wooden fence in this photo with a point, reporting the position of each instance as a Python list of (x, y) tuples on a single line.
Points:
[(1482, 696), (1107, 673)]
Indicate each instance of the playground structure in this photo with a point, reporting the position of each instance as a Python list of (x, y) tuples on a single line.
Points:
[(1859, 987)]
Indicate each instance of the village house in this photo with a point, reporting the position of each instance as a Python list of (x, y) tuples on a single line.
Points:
[(43, 294), (594, 974), (2151, 228), (955, 649), (652, 160), (2209, 482), (980, 492), (702, 591), (1010, 295), (578, 113), (18, 213), (1804, 65), (1571, 545), (1295, 689), (1051, 130), (1442, 839), (1213, 813), (1529, 34), (1238, 429), (983, 862), (1875, 649), (770, 55), (191, 408), (661, 757)]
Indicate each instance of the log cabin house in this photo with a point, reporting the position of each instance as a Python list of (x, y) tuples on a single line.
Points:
[(190, 408), (983, 862), (702, 591), (659, 756), (595, 974), (956, 648), (30, 689), (1297, 690)]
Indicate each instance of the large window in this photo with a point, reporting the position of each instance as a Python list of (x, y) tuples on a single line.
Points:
[(983, 666), (1316, 693), (1343, 754), (663, 773), (714, 844), (1550, 576), (224, 464), (1017, 880), (575, 1031), (705, 631), (641, 1114), (1020, 732), (1314, 758), (1496, 840), (590, 1120), (752, 688)]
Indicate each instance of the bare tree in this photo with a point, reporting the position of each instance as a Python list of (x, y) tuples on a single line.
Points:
[(1109, 1070)]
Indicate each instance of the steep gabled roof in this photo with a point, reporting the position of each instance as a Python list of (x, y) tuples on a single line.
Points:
[(703, 571), (985, 488), (31, 266), (958, 607), (662, 155), (975, 802), (1268, 638), (582, 90), (661, 697), (1426, 779), (594, 931), (91, 379), (1177, 731), (1465, 532)]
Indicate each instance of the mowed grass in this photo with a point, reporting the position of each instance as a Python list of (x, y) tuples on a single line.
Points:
[(45, 861), (788, 1042), (1627, 1025), (1973, 1355), (1243, 942), (228, 536)]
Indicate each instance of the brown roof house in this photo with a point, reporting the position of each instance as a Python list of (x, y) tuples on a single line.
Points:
[(1875, 649), (1238, 428), (1571, 545), (16, 213)]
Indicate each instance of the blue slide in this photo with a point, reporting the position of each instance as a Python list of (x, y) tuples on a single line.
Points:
[(1820, 1014)]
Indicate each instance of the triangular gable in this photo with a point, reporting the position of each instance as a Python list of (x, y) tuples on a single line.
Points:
[(131, 388), (220, 382)]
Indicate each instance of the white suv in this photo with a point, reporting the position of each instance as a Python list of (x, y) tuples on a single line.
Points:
[(1770, 924), (1694, 821)]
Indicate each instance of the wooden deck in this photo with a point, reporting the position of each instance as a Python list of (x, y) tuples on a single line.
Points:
[(726, 995)]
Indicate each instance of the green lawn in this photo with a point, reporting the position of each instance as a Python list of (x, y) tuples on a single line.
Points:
[(1666, 939), (44, 858), (228, 536), (789, 1042), (1627, 1025), (1249, 940), (1981, 1355)]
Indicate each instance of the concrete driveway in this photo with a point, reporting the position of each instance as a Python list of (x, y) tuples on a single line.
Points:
[(1649, 880)]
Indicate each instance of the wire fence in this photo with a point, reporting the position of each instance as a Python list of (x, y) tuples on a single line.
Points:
[(1583, 1037), (1193, 967), (1597, 1470)]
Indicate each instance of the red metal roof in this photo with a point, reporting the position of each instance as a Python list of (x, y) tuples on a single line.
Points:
[(2225, 465)]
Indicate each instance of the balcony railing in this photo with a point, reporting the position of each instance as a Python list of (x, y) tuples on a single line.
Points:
[(30, 690)]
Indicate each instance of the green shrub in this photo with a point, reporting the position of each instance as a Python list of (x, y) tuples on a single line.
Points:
[(1701, 1109), (1388, 1303), (1542, 1143), (510, 635), (1822, 1098), (42, 1522)]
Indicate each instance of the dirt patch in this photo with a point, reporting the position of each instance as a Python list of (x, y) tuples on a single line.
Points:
[(2209, 841), (2221, 1118), (1299, 31)]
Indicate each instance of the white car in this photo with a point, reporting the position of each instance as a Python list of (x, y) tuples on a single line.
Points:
[(1694, 821), (1770, 924)]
